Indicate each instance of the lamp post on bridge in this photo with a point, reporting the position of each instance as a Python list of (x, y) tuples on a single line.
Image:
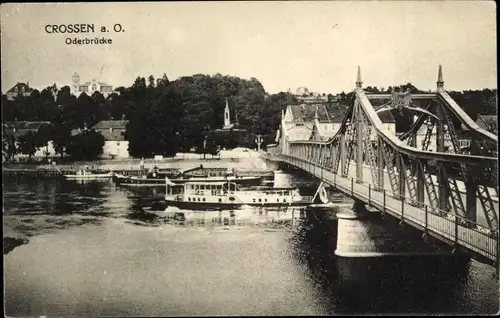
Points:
[(258, 141)]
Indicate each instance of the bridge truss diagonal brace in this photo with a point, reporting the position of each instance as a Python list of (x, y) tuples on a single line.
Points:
[(370, 153), (349, 146), (429, 186), (410, 180), (488, 207), (389, 164), (380, 163), (455, 197), (335, 157)]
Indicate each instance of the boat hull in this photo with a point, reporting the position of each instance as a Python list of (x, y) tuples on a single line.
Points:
[(229, 206), (88, 177)]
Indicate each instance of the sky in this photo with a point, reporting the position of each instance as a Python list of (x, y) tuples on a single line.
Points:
[(315, 44)]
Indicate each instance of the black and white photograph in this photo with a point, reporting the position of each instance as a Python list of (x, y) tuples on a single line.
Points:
[(250, 158)]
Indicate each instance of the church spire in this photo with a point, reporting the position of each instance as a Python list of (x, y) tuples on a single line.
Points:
[(227, 117)]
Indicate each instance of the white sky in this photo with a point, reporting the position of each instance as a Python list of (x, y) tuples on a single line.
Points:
[(282, 44)]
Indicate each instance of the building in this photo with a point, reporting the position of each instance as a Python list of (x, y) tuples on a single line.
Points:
[(89, 87), (17, 129), (448, 144), (227, 117), (325, 126), (230, 130), (314, 122), (304, 96), (298, 121), (324, 130), (228, 125), (488, 122), (115, 144), (20, 89)]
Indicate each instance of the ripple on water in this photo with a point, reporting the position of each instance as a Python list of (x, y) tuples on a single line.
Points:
[(94, 252)]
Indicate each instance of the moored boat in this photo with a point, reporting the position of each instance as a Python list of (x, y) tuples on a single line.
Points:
[(229, 194), (88, 175), (151, 180)]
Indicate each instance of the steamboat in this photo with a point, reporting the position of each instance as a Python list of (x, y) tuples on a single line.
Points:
[(229, 194), (156, 178)]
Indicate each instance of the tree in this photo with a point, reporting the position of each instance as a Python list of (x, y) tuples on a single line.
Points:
[(43, 136), (163, 81), (151, 81), (61, 139), (9, 148), (87, 145), (87, 111), (28, 144), (154, 126)]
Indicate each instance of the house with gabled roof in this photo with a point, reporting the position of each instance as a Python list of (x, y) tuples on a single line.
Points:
[(488, 122), (432, 146), (18, 129), (324, 130), (115, 143), (20, 89), (315, 122)]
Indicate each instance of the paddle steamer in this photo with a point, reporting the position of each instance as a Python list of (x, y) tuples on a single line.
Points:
[(228, 194)]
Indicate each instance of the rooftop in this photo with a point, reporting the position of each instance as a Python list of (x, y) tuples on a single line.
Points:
[(112, 130), (308, 112), (89, 83), (19, 128), (19, 87), (488, 122), (106, 124)]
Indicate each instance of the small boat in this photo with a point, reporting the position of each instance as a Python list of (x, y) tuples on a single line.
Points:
[(228, 194), (88, 175)]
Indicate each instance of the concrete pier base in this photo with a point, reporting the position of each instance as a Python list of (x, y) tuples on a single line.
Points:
[(365, 233)]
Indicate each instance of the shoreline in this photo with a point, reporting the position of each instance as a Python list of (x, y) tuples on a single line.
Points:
[(133, 166)]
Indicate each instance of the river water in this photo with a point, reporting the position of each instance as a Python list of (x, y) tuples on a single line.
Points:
[(91, 251)]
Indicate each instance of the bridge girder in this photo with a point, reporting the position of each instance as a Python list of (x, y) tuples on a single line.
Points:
[(433, 178)]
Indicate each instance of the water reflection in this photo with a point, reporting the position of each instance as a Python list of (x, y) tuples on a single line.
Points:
[(249, 260), (246, 215), (392, 285)]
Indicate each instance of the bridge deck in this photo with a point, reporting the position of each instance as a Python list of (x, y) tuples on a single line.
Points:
[(448, 229)]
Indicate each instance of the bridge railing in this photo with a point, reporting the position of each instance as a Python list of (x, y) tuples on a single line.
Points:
[(453, 228), (457, 230), (272, 150)]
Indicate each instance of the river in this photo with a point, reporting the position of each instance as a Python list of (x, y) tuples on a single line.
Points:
[(91, 251)]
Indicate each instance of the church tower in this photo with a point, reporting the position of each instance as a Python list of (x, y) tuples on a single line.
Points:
[(227, 115), (75, 84)]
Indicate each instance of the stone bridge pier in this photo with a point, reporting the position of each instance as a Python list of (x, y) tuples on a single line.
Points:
[(365, 232)]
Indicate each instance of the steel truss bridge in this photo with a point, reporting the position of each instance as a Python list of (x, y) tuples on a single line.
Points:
[(452, 195)]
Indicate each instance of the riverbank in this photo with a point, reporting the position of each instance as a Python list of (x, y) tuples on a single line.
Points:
[(12, 239), (132, 166)]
